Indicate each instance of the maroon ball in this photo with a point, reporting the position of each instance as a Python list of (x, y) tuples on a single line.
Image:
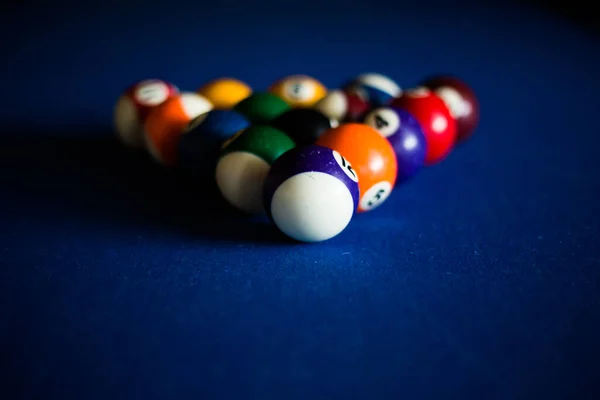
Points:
[(358, 107), (460, 100)]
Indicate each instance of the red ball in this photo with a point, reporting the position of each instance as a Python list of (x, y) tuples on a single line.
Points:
[(461, 101), (434, 117), (357, 107)]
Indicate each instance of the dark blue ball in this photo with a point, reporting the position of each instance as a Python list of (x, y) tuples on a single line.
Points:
[(406, 136), (201, 142)]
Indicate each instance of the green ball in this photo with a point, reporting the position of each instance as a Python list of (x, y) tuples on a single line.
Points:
[(262, 107), (245, 161)]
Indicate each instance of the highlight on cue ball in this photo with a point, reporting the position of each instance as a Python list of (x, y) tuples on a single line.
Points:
[(311, 193)]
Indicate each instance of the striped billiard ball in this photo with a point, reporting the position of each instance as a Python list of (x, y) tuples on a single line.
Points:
[(311, 193), (376, 89), (372, 157), (245, 161), (134, 105)]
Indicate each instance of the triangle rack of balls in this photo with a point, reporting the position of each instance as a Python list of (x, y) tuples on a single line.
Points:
[(308, 157)]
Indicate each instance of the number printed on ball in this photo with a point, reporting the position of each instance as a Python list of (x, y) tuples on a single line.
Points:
[(375, 195), (385, 120), (151, 93), (300, 90), (345, 165)]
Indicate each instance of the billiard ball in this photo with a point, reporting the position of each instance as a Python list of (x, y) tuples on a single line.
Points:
[(460, 100), (405, 135), (372, 157), (311, 193), (244, 162), (133, 107), (166, 122), (303, 125), (435, 119), (342, 106), (224, 93), (376, 89), (202, 139), (299, 90), (261, 107)]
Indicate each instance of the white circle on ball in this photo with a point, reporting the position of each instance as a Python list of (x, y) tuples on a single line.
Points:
[(384, 120), (151, 93), (380, 82), (439, 124), (375, 195), (312, 207), (334, 105), (299, 89), (240, 177), (457, 106), (345, 165)]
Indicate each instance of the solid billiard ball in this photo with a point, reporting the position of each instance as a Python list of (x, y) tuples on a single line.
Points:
[(376, 89), (224, 93), (333, 105), (405, 135), (372, 157), (357, 107), (342, 106), (202, 139), (261, 107), (303, 125), (460, 100), (299, 90), (311, 193), (435, 119), (244, 162), (133, 107), (166, 122)]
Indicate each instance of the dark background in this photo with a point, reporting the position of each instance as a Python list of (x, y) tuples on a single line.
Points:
[(120, 279)]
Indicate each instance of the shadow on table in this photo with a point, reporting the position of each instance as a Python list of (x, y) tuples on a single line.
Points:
[(89, 174)]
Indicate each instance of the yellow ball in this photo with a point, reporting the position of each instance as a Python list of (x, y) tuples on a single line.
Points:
[(299, 90), (224, 93)]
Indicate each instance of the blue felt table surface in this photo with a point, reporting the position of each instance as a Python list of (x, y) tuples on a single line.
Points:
[(479, 279)]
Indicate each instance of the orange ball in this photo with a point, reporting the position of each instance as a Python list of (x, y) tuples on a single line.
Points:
[(372, 157), (166, 122), (224, 93)]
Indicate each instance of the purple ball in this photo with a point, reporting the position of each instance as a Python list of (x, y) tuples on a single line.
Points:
[(406, 136), (311, 193)]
